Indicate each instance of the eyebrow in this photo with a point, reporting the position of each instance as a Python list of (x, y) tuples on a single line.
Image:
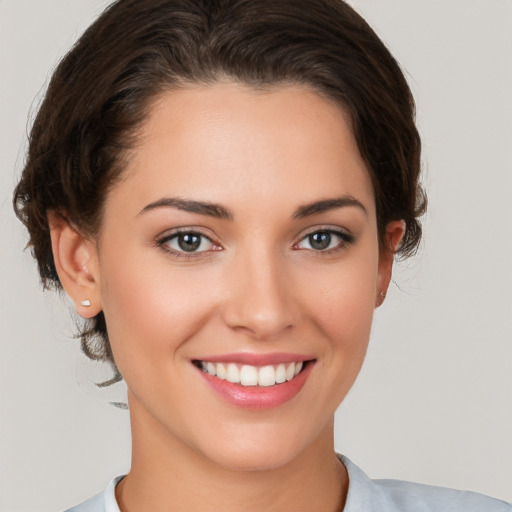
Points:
[(188, 205), (326, 205), (220, 212)]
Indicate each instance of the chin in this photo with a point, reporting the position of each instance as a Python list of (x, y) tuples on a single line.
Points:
[(266, 448), (252, 460)]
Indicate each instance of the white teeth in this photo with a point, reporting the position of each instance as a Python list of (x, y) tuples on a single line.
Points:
[(233, 374), (290, 371), (248, 375), (221, 371), (267, 376), (280, 374), (210, 368)]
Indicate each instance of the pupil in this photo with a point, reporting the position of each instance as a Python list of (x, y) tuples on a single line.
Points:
[(320, 240), (189, 242)]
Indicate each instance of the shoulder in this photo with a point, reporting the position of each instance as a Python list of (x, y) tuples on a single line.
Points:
[(404, 495), (103, 502), (399, 496)]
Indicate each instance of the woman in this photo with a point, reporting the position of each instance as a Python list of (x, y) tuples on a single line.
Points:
[(221, 188)]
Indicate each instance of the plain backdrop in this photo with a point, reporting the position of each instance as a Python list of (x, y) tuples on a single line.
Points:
[(434, 400)]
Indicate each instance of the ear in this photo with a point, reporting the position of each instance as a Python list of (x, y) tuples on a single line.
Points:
[(76, 262), (394, 233)]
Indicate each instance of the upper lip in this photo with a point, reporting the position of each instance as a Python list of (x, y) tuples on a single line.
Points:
[(256, 359)]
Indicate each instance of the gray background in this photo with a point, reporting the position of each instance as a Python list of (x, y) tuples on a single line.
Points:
[(434, 400)]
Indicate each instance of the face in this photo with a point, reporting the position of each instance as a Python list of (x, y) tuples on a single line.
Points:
[(241, 244)]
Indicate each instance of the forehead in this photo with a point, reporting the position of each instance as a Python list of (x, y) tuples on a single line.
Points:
[(232, 141)]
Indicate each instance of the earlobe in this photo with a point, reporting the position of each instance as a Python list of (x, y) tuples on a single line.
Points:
[(394, 233), (76, 263)]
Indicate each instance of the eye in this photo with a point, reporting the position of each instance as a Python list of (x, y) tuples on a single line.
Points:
[(187, 242), (325, 240)]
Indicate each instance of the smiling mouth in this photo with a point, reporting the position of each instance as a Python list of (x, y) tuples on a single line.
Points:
[(248, 375)]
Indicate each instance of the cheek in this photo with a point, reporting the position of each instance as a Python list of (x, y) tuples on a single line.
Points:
[(346, 322), (344, 300), (151, 309), (342, 308)]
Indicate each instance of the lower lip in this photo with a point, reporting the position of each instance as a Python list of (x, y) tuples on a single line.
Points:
[(258, 397)]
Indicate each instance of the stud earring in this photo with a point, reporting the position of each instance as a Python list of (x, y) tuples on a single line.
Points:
[(86, 303)]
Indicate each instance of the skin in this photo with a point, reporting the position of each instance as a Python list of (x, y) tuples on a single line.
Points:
[(259, 286)]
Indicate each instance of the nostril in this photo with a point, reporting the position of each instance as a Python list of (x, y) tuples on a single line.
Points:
[(260, 304)]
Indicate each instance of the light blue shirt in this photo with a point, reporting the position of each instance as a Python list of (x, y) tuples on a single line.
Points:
[(364, 495)]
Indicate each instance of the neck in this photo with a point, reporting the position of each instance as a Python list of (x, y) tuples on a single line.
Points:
[(167, 475)]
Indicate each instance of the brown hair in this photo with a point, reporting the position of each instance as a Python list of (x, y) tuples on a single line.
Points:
[(100, 93)]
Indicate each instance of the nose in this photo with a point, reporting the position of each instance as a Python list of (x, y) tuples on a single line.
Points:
[(260, 296)]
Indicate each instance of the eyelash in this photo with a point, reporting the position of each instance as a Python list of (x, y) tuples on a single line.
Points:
[(162, 243), (346, 240)]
